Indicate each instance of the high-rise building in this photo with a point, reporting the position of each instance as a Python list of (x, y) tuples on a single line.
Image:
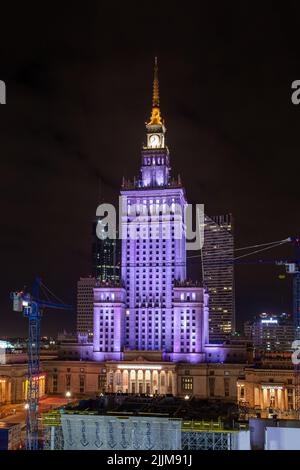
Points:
[(106, 255), (154, 308), (270, 332), (151, 327), (218, 275), (85, 305)]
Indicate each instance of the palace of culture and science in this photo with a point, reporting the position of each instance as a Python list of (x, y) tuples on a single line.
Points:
[(151, 329), (154, 308)]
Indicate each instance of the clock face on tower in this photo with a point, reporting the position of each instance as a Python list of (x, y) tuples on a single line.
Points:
[(154, 140)]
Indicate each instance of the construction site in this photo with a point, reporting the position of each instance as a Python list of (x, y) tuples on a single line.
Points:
[(135, 421), (123, 422)]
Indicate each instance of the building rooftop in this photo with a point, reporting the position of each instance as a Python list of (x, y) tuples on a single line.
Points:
[(4, 425), (168, 406)]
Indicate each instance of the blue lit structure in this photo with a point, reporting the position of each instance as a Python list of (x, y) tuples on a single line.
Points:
[(32, 307)]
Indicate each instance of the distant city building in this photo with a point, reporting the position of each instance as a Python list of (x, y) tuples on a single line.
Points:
[(270, 332), (105, 267), (218, 275), (10, 436), (106, 255), (85, 304)]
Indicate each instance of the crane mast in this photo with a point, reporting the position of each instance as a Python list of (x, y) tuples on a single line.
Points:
[(32, 307)]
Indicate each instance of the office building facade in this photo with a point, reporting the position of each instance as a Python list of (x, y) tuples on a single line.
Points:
[(218, 275), (270, 332)]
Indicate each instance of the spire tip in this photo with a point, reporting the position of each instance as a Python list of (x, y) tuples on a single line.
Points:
[(155, 116)]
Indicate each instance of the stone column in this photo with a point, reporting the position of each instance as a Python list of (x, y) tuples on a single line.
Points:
[(294, 399), (136, 381), (9, 397), (5, 388), (123, 381), (111, 383), (276, 394), (107, 380), (174, 383), (144, 381), (151, 381), (264, 398), (3, 392), (158, 382), (12, 398), (169, 382), (268, 397), (280, 400), (129, 381), (114, 381), (285, 399), (261, 397)]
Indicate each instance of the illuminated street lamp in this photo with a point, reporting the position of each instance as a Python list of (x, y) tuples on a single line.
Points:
[(68, 394), (187, 397), (26, 406)]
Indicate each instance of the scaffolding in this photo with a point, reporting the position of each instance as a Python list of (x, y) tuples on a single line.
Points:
[(206, 440), (195, 435), (206, 435), (52, 431)]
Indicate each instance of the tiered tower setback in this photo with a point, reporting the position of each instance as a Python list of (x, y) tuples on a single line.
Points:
[(157, 316)]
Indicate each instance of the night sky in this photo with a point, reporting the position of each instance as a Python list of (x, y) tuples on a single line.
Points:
[(79, 84)]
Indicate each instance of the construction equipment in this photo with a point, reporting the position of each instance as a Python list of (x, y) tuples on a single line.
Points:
[(32, 306)]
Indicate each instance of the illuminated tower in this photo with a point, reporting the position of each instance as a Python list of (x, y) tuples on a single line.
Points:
[(162, 311)]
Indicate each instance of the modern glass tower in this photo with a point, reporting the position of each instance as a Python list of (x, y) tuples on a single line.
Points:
[(218, 275), (106, 254)]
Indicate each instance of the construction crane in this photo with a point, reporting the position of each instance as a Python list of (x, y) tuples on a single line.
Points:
[(32, 307)]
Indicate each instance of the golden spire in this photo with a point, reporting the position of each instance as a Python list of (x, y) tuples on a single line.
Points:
[(155, 114), (155, 99)]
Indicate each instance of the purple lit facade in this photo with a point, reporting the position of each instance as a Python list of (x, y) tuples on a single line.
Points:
[(155, 308)]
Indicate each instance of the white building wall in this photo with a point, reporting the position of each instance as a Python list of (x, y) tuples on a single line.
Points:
[(82, 432), (282, 438)]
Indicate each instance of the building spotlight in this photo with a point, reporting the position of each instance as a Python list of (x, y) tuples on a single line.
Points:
[(26, 406)]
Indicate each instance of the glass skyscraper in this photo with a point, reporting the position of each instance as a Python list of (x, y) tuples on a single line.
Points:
[(218, 275)]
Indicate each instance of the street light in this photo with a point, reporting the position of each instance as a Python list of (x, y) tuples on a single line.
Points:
[(26, 406), (68, 394), (186, 397)]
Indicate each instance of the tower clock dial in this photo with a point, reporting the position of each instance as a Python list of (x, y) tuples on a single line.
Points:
[(154, 140)]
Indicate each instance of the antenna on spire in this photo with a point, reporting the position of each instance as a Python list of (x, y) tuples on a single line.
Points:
[(155, 100), (99, 189)]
